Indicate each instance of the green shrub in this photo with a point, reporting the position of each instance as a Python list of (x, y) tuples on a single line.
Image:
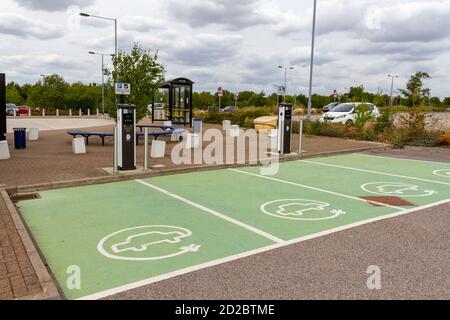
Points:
[(426, 139), (244, 117), (363, 116), (384, 122)]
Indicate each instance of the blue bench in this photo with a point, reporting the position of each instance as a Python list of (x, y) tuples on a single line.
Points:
[(103, 135)]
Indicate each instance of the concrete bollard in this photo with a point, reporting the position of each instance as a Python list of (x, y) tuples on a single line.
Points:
[(57, 112), (79, 112), (43, 112), (89, 112), (33, 134), (70, 112), (98, 112), (78, 146), (158, 149), (4, 150)]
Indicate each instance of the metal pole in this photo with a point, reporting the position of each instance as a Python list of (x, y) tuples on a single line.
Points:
[(312, 61), (116, 41), (2, 107), (103, 84), (115, 150), (300, 149), (392, 91), (146, 149), (285, 84)]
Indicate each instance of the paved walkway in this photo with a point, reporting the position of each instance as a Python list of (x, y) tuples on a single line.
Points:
[(51, 159), (17, 276)]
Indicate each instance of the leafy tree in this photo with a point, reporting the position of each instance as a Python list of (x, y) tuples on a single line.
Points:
[(13, 95), (49, 93), (415, 91), (142, 70), (446, 101), (203, 100), (436, 101)]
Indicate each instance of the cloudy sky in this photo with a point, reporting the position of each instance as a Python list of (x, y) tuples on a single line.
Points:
[(236, 44)]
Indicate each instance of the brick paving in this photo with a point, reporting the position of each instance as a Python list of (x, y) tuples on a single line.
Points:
[(17, 276), (51, 159)]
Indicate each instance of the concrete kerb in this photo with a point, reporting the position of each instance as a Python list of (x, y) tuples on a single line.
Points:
[(170, 171), (49, 288)]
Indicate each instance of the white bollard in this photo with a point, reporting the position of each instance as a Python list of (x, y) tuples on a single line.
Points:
[(193, 141), (79, 112), (57, 112), (235, 131), (226, 125), (273, 140), (29, 112), (98, 112), (79, 146), (158, 149), (70, 112), (89, 112), (43, 112), (33, 135), (4, 150)]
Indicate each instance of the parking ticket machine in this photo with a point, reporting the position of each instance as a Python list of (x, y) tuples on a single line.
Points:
[(284, 128), (126, 132)]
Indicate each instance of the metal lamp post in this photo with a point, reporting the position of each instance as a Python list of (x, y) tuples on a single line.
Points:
[(391, 102), (109, 19), (103, 76), (285, 79), (311, 70)]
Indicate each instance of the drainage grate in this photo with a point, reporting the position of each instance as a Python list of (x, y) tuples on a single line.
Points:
[(392, 201), (24, 197)]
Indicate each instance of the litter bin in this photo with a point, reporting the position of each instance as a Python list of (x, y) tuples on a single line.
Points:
[(20, 138), (197, 124)]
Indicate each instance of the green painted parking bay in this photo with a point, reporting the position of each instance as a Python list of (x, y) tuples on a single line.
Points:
[(69, 224), (119, 236)]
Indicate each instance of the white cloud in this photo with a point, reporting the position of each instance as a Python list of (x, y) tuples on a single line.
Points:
[(53, 5), (26, 28)]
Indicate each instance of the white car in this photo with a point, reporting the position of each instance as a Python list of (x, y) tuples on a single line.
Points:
[(345, 113)]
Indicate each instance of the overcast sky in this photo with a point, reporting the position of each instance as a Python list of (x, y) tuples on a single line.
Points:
[(236, 44)]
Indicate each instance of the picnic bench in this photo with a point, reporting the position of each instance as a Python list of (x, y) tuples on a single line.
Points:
[(103, 135)]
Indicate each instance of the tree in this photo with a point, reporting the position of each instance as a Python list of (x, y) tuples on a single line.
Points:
[(446, 101), (13, 95), (49, 93), (415, 91), (142, 70)]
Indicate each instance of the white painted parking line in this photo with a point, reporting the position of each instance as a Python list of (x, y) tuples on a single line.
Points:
[(213, 212), (318, 189), (374, 172), (142, 283), (402, 159)]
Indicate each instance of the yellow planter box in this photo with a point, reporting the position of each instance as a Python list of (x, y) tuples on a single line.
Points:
[(266, 123)]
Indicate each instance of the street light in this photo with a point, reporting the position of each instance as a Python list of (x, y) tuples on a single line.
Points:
[(87, 15), (103, 76), (311, 70), (391, 102), (285, 79)]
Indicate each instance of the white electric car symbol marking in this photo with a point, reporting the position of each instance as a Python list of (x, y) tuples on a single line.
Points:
[(143, 241), (296, 209), (396, 189)]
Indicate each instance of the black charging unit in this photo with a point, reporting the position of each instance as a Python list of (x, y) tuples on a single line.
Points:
[(284, 128), (126, 132)]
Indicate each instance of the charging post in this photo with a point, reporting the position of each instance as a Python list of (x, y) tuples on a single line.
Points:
[(126, 130), (284, 128)]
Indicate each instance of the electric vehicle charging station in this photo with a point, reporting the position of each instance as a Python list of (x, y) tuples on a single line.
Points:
[(284, 128), (126, 130)]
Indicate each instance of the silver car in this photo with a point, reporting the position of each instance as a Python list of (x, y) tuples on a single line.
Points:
[(12, 110)]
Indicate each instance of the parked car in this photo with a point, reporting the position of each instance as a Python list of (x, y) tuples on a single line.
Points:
[(12, 110), (330, 106), (24, 111), (229, 109), (345, 113)]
